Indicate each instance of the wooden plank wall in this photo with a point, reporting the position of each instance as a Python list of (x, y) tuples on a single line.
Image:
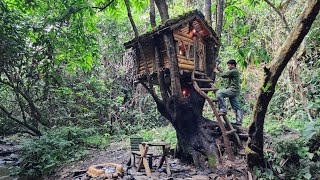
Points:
[(185, 62), (149, 55)]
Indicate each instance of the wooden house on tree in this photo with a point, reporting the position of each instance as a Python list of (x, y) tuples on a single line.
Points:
[(195, 44), (179, 56)]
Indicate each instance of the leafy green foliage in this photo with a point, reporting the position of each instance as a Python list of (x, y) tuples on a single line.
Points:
[(39, 39), (294, 158), (239, 22), (61, 145), (312, 129), (164, 134), (133, 120)]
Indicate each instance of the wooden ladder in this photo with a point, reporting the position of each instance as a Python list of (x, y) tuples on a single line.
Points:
[(202, 77)]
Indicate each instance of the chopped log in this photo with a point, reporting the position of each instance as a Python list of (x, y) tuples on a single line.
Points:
[(182, 61), (185, 58), (149, 65), (186, 66)]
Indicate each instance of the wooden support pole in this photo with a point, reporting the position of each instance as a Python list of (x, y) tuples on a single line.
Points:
[(196, 58)]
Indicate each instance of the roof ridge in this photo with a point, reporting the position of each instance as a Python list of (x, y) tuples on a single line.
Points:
[(174, 20)]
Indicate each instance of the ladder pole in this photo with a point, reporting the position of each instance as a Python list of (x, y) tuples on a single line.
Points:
[(231, 128), (223, 129)]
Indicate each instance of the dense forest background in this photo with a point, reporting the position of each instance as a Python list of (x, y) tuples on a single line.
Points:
[(66, 81)]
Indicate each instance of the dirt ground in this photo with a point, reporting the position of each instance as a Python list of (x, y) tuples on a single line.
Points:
[(119, 153)]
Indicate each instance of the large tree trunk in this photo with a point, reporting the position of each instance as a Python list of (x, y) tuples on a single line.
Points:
[(207, 11), (255, 142), (219, 17), (294, 68), (163, 10), (196, 135), (152, 14)]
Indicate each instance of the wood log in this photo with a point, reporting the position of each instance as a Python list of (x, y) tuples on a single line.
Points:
[(182, 37), (142, 68), (183, 34), (185, 58), (186, 66), (182, 61)]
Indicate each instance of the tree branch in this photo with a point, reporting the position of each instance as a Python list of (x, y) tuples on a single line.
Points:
[(9, 115), (153, 94), (35, 113), (152, 14), (21, 107), (279, 13), (293, 67), (104, 7)]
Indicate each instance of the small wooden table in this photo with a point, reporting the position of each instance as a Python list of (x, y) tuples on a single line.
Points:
[(144, 147)]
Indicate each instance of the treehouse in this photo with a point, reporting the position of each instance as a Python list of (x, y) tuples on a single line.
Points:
[(190, 57), (195, 45)]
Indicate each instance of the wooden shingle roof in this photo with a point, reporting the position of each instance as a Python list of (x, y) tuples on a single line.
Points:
[(195, 17)]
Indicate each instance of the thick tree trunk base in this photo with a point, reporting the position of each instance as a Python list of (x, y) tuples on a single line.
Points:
[(199, 139)]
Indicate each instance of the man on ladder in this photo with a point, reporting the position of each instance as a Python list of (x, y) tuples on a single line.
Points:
[(232, 91)]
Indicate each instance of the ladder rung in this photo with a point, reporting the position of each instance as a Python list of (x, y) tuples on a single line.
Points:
[(203, 80), (209, 89), (231, 132), (243, 135), (200, 73)]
